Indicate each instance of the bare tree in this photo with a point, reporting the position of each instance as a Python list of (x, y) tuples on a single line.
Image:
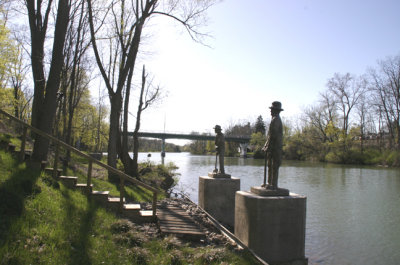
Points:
[(322, 115), (22, 96), (386, 87), (45, 89), (346, 90), (362, 110), (75, 79), (148, 95), (122, 23)]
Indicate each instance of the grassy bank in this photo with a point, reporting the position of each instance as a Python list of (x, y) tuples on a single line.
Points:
[(43, 222)]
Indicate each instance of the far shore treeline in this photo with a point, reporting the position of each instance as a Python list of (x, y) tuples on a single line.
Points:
[(356, 120)]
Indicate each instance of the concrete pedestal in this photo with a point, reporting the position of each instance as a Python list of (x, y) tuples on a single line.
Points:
[(217, 197), (272, 226)]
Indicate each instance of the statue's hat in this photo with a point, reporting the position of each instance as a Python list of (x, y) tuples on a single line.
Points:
[(276, 105), (217, 127)]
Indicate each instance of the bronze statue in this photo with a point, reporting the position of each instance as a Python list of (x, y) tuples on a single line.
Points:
[(220, 148), (273, 148)]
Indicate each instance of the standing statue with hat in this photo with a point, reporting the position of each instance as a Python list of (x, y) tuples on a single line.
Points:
[(220, 148), (273, 148)]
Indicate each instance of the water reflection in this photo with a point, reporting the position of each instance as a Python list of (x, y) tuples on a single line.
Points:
[(352, 212)]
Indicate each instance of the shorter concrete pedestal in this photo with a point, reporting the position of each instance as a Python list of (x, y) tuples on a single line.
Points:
[(272, 226), (217, 197)]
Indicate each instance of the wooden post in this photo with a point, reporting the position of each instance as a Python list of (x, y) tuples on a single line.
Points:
[(55, 171), (121, 193), (154, 206), (23, 143), (89, 177)]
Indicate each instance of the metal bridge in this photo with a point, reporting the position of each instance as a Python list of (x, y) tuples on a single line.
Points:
[(242, 140), (163, 136)]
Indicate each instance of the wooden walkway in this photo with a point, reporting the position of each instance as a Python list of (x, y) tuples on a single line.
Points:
[(174, 220)]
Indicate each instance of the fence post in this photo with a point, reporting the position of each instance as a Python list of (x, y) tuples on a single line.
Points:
[(121, 193), (55, 171), (89, 177), (23, 143), (154, 206)]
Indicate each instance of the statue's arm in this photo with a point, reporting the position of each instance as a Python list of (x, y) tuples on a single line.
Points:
[(217, 144)]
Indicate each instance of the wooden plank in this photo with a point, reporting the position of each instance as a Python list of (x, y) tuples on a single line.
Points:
[(175, 220)]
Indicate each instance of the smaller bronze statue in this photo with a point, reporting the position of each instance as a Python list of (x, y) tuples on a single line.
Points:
[(273, 148), (220, 154), (220, 148)]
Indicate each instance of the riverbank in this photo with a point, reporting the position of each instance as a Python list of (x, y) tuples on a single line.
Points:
[(44, 222)]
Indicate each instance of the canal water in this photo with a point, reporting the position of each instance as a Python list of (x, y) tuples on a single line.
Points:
[(353, 212)]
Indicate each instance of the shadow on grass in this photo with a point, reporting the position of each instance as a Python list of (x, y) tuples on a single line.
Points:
[(78, 225), (140, 194), (13, 192)]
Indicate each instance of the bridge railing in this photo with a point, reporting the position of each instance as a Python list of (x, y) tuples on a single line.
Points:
[(165, 135), (58, 143)]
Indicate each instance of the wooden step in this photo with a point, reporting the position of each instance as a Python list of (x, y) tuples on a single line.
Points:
[(132, 206), (28, 154), (131, 210), (114, 202), (115, 199), (43, 165), (69, 181), (49, 170), (146, 213), (146, 216), (101, 196), (11, 147), (134, 213), (102, 193), (83, 187)]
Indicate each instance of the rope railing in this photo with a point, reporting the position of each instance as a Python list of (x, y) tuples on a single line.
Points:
[(91, 160)]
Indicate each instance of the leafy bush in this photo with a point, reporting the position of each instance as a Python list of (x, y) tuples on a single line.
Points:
[(162, 176), (393, 159)]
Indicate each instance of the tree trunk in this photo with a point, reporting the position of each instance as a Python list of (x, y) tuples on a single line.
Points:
[(114, 135), (128, 162), (398, 134), (44, 108)]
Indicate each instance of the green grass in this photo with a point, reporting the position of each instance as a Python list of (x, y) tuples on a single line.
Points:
[(133, 193), (43, 222)]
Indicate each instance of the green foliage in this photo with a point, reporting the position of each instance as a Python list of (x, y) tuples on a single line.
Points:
[(332, 132), (239, 129), (305, 145), (370, 156), (200, 147), (259, 126), (8, 54), (393, 159), (210, 147), (153, 145), (258, 140), (87, 132), (161, 176), (7, 99), (294, 148)]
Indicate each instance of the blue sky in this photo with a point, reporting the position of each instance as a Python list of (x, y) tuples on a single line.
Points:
[(261, 51)]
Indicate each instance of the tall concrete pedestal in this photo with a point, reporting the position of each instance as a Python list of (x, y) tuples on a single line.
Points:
[(272, 226), (217, 197)]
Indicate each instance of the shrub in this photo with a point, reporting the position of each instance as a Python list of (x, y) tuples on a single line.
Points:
[(393, 159)]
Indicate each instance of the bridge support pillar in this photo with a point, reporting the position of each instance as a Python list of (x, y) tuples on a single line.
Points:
[(162, 150), (243, 149)]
